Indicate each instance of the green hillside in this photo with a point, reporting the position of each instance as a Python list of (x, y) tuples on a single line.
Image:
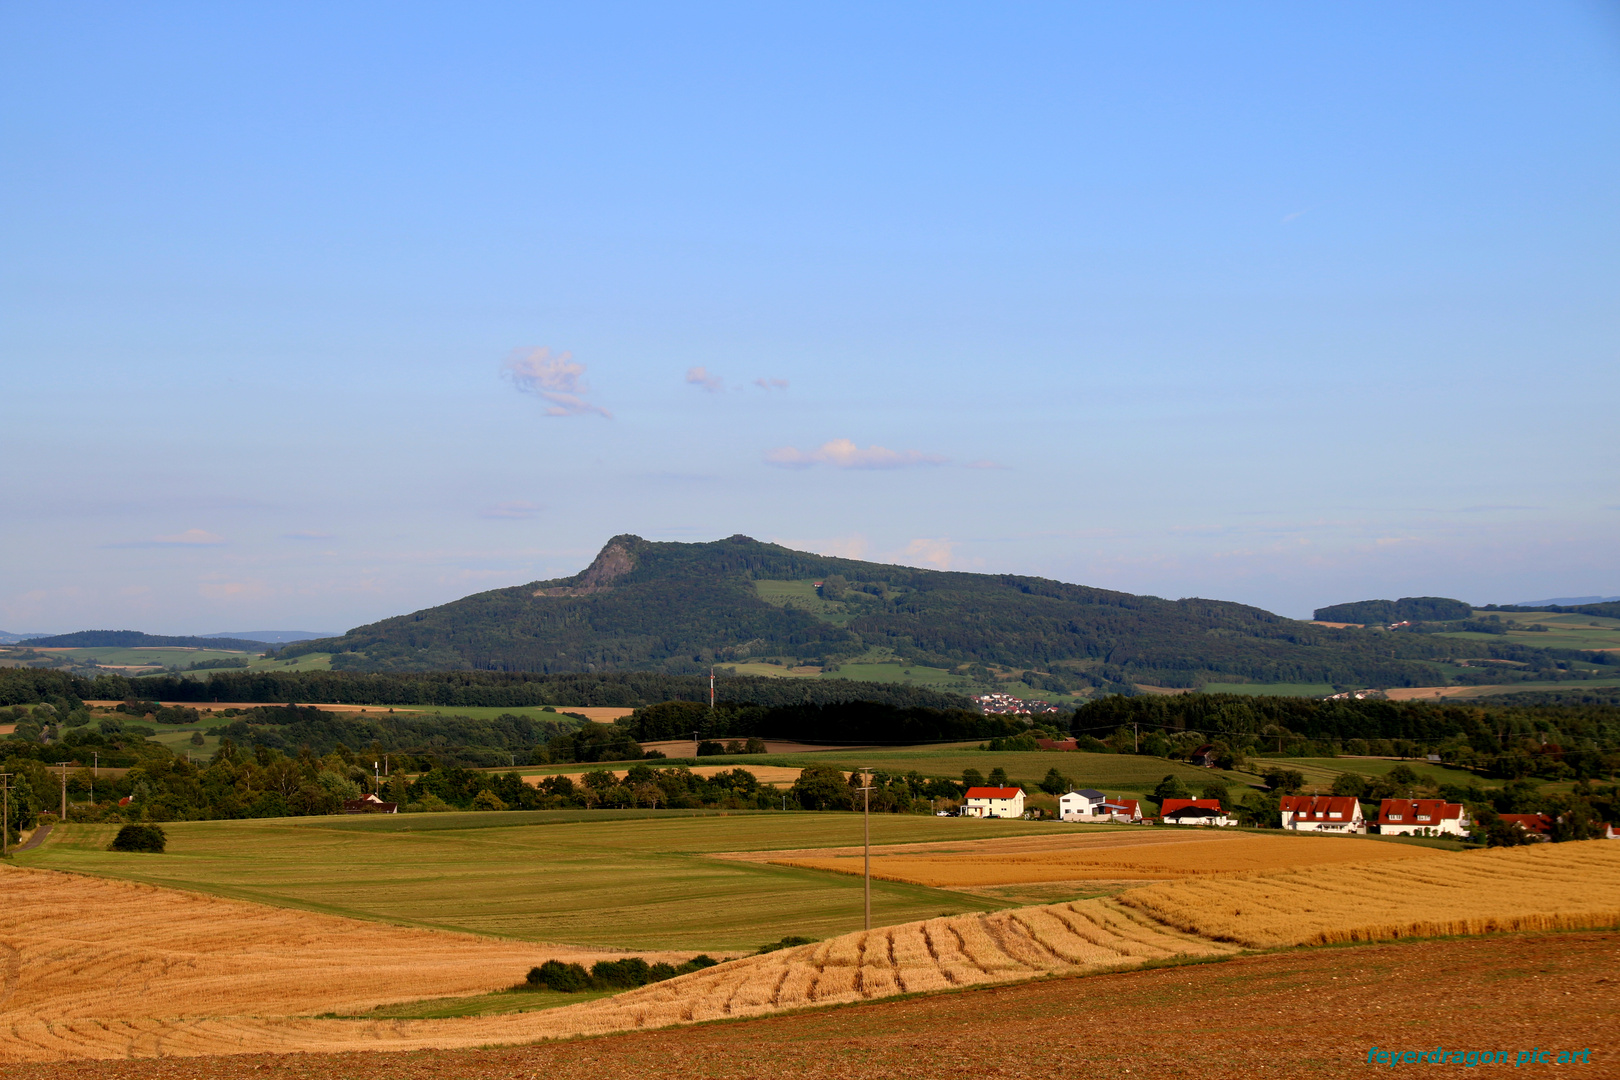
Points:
[(679, 608)]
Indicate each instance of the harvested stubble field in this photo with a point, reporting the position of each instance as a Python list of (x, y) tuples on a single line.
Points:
[(86, 964), (1312, 1014), (1115, 853), (1570, 886)]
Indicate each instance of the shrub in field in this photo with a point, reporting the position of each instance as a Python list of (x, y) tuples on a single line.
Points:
[(626, 974), (564, 978), (139, 838)]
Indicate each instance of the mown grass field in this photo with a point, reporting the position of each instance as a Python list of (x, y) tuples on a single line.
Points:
[(627, 879)]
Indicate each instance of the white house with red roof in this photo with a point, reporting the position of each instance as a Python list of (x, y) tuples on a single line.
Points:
[(1089, 804), (1194, 812), (1422, 817), (1322, 813), (986, 802)]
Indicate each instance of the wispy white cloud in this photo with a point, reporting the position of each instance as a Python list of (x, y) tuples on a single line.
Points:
[(699, 376), (554, 379), (306, 534), (845, 454), (853, 546), (189, 538), (771, 384), (1297, 214), (933, 551), (519, 510), (984, 463)]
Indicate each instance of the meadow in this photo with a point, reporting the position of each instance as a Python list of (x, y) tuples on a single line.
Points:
[(1270, 689), (616, 879), (1108, 772)]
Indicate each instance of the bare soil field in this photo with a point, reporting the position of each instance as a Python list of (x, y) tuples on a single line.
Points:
[(1310, 1014), (217, 706), (126, 978), (1118, 853)]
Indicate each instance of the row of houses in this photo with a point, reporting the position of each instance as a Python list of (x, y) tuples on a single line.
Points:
[(1299, 813)]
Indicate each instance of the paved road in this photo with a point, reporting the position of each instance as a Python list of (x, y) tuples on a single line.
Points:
[(37, 839)]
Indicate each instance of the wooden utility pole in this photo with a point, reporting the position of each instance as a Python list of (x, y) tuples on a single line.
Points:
[(5, 814), (866, 814), (64, 790)]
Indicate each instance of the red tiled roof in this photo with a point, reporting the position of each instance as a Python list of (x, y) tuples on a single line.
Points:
[(1536, 823), (1122, 806), (1320, 807), (1170, 806), (993, 792), (1417, 811), (1057, 744)]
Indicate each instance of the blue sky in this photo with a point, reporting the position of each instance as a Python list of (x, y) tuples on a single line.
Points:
[(312, 314)]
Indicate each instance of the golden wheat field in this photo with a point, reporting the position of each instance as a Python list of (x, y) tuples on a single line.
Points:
[(121, 970), (87, 963), (1539, 887), (1122, 854)]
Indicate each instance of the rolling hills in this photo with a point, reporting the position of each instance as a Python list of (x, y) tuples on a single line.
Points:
[(679, 608)]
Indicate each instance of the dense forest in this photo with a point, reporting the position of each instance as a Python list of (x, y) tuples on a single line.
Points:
[(678, 608), (134, 639), (461, 689), (1406, 609)]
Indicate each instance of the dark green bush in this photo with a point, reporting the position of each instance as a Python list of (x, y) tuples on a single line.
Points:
[(139, 838), (564, 978), (626, 974)]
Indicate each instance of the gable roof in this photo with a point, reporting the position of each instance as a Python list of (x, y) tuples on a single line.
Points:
[(993, 792), (1190, 807), (1321, 807), (1417, 811), (1123, 806), (1536, 823)]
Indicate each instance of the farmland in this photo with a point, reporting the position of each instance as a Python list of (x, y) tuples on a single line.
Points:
[(1124, 772), (1565, 887), (1308, 1010), (1109, 855), (626, 879)]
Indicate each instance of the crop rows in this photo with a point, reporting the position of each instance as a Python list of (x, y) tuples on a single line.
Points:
[(125, 970)]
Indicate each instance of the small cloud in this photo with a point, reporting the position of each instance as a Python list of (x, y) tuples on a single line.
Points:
[(554, 379), (235, 590), (844, 454), (189, 538), (986, 464), (1297, 214), (306, 534), (771, 384), (699, 376), (514, 510), (934, 552)]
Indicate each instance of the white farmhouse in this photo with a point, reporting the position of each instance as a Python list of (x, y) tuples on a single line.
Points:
[(1082, 805), (1002, 802), (1322, 813), (1422, 817)]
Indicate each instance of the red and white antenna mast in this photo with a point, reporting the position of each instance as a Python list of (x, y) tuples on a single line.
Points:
[(711, 689)]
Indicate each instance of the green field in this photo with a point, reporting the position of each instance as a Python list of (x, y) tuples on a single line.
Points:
[(1107, 772), (631, 879), (1332, 767)]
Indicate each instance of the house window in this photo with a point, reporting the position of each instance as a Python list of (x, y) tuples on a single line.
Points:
[(1394, 817)]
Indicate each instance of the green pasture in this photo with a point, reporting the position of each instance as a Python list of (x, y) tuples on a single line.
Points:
[(1106, 772), (496, 1004), (1427, 770), (1564, 630), (307, 662), (1270, 689), (802, 596), (631, 879), (160, 655)]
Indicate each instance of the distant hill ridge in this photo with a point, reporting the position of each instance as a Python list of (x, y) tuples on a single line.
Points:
[(678, 608), (134, 639), (1406, 609)]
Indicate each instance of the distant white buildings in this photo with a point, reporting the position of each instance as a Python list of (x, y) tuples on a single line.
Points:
[(1007, 705), (1322, 813), (1089, 804), (997, 802)]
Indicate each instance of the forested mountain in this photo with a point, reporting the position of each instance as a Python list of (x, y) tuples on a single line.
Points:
[(678, 608), (1406, 609)]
